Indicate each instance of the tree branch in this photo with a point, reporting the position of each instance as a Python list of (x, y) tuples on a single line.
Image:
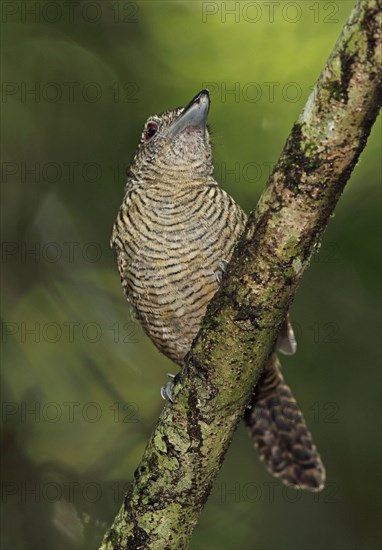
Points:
[(238, 333)]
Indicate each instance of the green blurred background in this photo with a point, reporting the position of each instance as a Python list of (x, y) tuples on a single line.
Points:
[(80, 381)]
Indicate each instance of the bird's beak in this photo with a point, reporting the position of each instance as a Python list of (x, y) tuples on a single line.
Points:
[(193, 116)]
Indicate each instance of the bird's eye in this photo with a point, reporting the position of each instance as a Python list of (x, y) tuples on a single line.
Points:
[(151, 130)]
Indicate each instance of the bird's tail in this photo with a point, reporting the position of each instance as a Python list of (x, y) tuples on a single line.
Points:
[(279, 432)]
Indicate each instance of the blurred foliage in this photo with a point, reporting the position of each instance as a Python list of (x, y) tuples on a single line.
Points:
[(89, 374)]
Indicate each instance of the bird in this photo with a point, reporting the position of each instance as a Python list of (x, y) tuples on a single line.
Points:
[(173, 236)]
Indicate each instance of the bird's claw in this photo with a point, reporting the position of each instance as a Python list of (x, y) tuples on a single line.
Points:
[(166, 391), (222, 266)]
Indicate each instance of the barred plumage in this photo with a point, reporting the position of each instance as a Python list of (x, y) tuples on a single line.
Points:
[(174, 229), (169, 255)]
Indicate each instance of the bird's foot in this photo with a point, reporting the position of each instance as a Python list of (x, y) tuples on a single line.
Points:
[(221, 269), (166, 391)]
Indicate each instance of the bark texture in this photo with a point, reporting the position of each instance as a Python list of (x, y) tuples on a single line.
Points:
[(238, 333)]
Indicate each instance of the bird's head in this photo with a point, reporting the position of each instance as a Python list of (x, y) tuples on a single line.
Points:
[(175, 145)]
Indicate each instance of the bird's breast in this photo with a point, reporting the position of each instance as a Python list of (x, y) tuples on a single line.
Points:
[(172, 247)]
